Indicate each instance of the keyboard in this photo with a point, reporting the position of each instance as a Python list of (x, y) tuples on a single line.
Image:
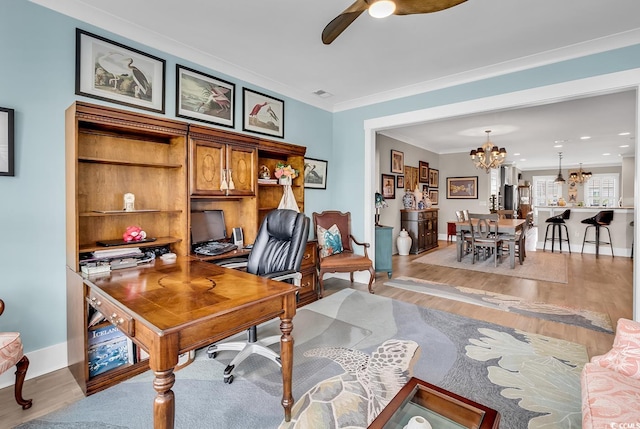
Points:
[(213, 248)]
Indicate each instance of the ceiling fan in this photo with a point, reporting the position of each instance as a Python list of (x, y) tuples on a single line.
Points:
[(402, 7)]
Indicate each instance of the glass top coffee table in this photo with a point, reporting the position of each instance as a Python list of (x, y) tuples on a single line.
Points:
[(441, 408)]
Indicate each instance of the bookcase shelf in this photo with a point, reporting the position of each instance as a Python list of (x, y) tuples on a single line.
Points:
[(161, 241), (111, 152), (129, 163)]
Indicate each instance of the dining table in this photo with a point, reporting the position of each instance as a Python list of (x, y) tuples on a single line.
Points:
[(509, 227)]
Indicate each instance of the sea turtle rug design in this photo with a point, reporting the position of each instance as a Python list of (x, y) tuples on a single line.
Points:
[(354, 398)]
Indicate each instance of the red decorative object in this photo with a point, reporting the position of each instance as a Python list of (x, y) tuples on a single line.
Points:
[(134, 233)]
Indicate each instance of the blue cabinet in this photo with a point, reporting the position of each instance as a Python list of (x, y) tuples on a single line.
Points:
[(383, 249)]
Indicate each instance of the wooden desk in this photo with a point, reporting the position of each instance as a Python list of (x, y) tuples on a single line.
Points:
[(172, 308), (505, 226)]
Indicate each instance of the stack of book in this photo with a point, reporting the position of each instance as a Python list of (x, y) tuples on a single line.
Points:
[(268, 181)]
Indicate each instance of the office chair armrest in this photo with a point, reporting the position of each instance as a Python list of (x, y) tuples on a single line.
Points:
[(286, 275), (233, 264)]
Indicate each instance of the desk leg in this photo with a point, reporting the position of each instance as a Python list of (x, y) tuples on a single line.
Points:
[(164, 406), (286, 353)]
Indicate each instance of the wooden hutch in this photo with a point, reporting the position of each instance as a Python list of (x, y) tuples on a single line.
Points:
[(172, 168)]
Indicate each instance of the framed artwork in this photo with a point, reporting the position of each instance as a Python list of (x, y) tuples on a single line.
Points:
[(262, 114), (433, 196), (423, 172), (388, 186), (410, 177), (315, 173), (461, 188), (433, 178), (6, 142), (425, 188), (110, 71), (204, 98), (397, 161), (400, 182)]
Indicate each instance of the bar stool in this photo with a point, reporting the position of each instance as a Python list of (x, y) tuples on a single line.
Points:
[(601, 220), (556, 223)]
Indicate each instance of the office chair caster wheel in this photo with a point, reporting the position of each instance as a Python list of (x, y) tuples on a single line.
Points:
[(213, 355), (228, 380)]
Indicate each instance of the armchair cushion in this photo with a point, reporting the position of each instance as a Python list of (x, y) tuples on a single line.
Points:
[(329, 240), (624, 356), (10, 350)]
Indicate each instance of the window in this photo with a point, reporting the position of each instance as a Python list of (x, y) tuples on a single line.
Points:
[(546, 191), (601, 190)]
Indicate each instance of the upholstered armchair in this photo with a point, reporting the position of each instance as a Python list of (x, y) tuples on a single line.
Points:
[(12, 354), (335, 247)]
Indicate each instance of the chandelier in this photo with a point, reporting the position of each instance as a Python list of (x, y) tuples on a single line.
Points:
[(580, 176), (559, 179), (488, 156)]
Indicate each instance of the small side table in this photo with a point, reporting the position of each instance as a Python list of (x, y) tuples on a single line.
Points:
[(383, 249), (451, 231)]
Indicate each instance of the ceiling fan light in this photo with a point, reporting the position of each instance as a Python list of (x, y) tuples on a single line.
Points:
[(382, 8)]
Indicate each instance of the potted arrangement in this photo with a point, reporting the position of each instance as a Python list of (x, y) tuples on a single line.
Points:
[(285, 173)]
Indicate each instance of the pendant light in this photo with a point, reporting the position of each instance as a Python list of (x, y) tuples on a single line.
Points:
[(559, 179)]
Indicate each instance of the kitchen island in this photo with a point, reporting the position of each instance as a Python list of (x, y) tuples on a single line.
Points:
[(621, 230)]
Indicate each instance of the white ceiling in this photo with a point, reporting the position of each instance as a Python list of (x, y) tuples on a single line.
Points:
[(276, 45)]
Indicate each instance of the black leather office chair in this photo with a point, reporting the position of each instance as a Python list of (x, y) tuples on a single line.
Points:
[(277, 254)]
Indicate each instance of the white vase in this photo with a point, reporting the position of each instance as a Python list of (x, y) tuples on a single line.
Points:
[(418, 422), (285, 180), (404, 243)]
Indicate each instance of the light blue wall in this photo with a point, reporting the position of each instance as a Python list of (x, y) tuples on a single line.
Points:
[(37, 51), (37, 79)]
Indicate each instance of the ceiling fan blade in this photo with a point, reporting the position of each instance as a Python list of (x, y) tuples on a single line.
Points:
[(342, 21), (410, 7)]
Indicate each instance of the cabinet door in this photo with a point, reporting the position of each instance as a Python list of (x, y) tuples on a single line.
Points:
[(207, 163), (422, 235), (241, 164)]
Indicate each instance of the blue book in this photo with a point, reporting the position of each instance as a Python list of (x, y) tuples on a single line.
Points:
[(108, 349)]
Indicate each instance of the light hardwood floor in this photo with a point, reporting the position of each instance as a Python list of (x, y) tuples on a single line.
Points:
[(603, 285)]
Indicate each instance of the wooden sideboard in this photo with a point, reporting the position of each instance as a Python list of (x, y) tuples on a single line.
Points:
[(173, 168), (422, 226)]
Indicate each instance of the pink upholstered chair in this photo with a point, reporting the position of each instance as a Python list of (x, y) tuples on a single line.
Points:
[(11, 354), (611, 382)]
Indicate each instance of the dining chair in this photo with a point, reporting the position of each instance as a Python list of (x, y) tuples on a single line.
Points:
[(463, 216), (485, 235), (507, 214)]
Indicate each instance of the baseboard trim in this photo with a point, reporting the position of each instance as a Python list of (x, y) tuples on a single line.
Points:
[(41, 362)]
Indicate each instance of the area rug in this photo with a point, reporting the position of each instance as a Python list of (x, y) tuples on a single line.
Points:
[(571, 316), (532, 380), (549, 267)]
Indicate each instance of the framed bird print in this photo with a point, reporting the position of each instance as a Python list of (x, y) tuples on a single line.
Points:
[(204, 98), (6, 141), (262, 114), (107, 70)]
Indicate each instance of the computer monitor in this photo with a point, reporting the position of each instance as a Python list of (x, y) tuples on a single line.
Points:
[(207, 225)]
